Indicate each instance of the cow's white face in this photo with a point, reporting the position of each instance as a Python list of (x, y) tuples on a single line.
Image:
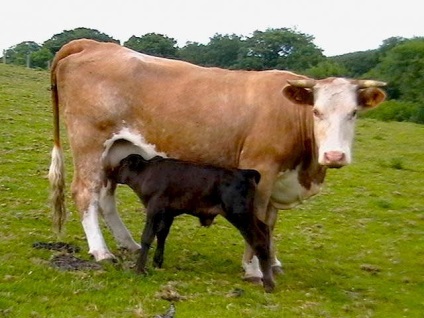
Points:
[(335, 110), (336, 102)]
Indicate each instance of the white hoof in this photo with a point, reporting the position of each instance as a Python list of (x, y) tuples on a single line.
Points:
[(102, 255)]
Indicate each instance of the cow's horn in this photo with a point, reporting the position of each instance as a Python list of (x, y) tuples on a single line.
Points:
[(370, 83), (305, 83)]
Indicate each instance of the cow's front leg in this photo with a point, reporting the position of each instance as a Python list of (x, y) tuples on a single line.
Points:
[(252, 270), (250, 262), (110, 214), (271, 220)]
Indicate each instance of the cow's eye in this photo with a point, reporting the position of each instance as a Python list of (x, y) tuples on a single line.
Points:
[(353, 114), (317, 113)]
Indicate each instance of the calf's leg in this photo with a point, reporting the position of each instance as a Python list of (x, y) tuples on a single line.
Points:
[(153, 218), (257, 235), (161, 235)]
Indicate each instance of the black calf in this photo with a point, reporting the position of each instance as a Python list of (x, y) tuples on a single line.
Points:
[(170, 187)]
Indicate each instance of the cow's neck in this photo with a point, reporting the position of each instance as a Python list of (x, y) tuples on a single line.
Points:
[(303, 178)]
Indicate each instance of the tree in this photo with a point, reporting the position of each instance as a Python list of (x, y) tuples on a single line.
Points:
[(357, 63), (195, 53), (20, 53), (223, 50), (403, 68), (153, 44), (58, 40), (389, 44), (41, 58), (281, 49), (327, 68)]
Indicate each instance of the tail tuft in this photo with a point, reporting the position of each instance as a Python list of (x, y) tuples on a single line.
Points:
[(57, 184)]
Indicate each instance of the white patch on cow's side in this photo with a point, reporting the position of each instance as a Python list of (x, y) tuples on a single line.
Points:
[(125, 143), (107, 204), (288, 192), (96, 243)]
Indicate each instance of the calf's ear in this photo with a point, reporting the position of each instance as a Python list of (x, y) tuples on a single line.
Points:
[(370, 97), (134, 161)]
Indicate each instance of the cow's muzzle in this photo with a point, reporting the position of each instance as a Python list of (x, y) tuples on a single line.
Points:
[(334, 159)]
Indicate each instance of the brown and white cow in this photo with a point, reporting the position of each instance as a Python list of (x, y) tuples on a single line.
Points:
[(116, 101)]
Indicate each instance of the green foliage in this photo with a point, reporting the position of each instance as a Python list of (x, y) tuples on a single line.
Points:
[(60, 39), (327, 68), (356, 250), (281, 49), (403, 68), (41, 58), (357, 63), (224, 50), (20, 53), (397, 111), (194, 52), (153, 44), (389, 44)]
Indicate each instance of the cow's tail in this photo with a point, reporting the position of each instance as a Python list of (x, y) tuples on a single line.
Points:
[(57, 166)]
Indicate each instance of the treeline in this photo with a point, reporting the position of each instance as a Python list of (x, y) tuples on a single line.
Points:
[(398, 61)]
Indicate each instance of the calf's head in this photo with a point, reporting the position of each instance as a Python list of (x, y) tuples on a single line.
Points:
[(126, 169), (238, 192), (335, 103)]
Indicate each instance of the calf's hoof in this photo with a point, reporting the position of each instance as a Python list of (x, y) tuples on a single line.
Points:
[(141, 270), (269, 286)]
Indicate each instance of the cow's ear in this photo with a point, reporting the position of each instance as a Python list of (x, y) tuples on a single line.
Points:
[(299, 95), (370, 97)]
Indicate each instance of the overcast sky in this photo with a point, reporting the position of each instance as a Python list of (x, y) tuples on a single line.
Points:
[(338, 26)]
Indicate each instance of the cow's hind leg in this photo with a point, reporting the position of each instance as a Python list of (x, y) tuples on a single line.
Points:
[(110, 214), (86, 197)]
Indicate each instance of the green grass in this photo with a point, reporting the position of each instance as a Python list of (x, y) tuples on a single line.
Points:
[(355, 250)]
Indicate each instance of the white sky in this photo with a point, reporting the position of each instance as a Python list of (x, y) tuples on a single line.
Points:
[(339, 26)]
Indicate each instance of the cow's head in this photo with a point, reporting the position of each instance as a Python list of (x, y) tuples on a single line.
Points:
[(336, 102)]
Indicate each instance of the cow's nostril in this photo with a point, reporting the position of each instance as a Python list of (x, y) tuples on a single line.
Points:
[(334, 156)]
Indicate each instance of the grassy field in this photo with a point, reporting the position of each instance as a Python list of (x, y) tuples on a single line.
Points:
[(356, 250)]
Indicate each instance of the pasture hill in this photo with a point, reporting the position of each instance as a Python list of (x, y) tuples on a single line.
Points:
[(355, 250)]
